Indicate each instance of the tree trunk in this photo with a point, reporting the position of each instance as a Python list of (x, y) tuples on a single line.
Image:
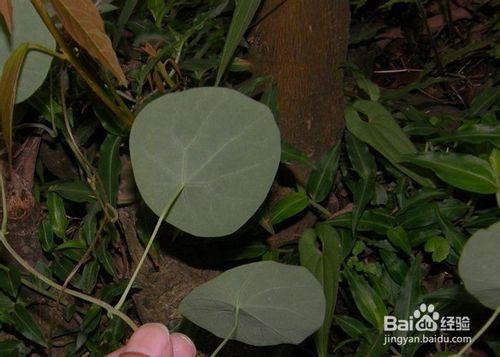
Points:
[(302, 44)]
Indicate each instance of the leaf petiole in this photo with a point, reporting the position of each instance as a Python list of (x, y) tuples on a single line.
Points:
[(110, 309), (162, 217), (230, 334), (479, 333)]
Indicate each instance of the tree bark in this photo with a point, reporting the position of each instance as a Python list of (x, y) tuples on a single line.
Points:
[(302, 44)]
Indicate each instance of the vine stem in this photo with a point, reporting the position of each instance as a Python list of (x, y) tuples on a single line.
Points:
[(110, 309), (162, 217), (230, 334), (126, 117), (480, 332)]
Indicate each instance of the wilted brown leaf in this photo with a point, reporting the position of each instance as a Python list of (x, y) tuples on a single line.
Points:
[(6, 13), (81, 19), (8, 89)]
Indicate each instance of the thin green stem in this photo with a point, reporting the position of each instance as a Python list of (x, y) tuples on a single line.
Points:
[(110, 309), (479, 333), (45, 50), (231, 333), (162, 217), (125, 117)]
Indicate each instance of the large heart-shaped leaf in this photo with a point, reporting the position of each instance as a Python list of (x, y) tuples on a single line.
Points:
[(479, 266), (271, 304), (220, 146), (27, 28)]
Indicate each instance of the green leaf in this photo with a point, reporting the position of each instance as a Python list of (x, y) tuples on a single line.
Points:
[(484, 101), (89, 276), (409, 293), (325, 265), (351, 326), (479, 266), (290, 154), (495, 165), (372, 345), (367, 85), (8, 89), (89, 229), (466, 172), (243, 14), (321, 179), (376, 220), (28, 28), (46, 236), (289, 206), (456, 238), (10, 281), (364, 190), (106, 260), (475, 134), (75, 191), (13, 348), (109, 166), (369, 303), (396, 267), (439, 247), (362, 161), (269, 303), (24, 323), (399, 238), (57, 214), (424, 214), (383, 134), (127, 11), (222, 147)]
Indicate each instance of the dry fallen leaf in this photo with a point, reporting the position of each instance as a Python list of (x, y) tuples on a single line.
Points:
[(81, 19), (6, 13)]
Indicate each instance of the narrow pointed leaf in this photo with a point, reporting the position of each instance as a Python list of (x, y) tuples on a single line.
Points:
[(24, 323), (76, 191), (243, 14), (82, 21), (399, 238), (8, 89), (382, 133), (466, 172), (364, 190), (369, 303), (57, 214), (362, 161), (13, 348), (321, 180), (109, 166), (409, 292), (288, 207), (475, 134), (325, 266)]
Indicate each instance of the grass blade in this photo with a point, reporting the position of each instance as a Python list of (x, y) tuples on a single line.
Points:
[(244, 12)]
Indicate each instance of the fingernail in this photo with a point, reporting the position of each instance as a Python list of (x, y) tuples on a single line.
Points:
[(150, 340), (187, 339), (182, 345)]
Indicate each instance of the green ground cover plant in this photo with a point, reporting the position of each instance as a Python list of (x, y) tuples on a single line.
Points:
[(152, 110)]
